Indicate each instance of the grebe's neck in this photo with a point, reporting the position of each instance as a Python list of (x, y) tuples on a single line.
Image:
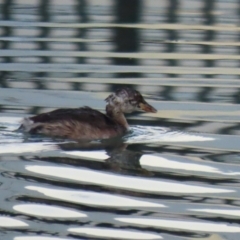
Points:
[(117, 115)]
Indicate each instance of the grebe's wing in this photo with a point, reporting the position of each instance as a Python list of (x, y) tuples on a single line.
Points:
[(67, 114)]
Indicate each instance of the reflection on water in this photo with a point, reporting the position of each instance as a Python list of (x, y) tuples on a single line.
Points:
[(47, 211), (11, 222), (122, 182), (94, 199), (176, 174)]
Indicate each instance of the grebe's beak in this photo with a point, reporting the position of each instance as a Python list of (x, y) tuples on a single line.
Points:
[(147, 107)]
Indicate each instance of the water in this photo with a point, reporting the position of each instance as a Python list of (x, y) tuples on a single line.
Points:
[(176, 174)]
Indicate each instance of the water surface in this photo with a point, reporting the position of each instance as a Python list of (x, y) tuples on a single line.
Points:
[(176, 174)]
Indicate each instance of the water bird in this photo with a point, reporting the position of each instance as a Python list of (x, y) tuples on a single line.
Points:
[(85, 123)]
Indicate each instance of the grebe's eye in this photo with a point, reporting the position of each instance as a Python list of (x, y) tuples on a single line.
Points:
[(133, 102)]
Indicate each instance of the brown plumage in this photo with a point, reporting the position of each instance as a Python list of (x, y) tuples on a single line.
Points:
[(86, 123)]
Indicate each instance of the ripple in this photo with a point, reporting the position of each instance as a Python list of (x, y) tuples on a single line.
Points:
[(124, 182), (114, 233), (39, 238), (48, 211), (153, 162), (94, 198), (147, 134), (229, 212), (10, 222), (182, 225), (15, 148)]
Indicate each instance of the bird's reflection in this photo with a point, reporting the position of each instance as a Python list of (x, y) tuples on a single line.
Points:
[(120, 158)]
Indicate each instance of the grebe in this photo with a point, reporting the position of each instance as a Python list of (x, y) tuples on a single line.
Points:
[(86, 123)]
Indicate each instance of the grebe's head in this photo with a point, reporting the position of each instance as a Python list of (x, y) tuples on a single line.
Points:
[(127, 100)]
